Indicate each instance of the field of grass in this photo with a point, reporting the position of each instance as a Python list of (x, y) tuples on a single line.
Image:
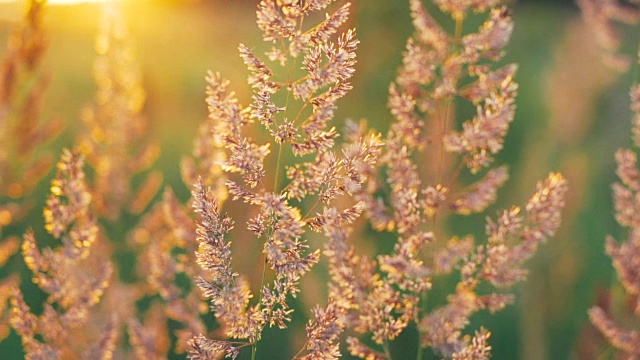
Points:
[(571, 117)]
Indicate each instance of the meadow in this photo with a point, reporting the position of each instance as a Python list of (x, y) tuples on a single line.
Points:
[(572, 113)]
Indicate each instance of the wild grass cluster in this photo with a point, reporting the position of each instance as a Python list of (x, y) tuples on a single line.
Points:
[(307, 196)]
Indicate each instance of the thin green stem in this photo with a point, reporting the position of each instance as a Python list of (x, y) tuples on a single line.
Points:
[(304, 106), (312, 207), (445, 127), (254, 347), (606, 353), (254, 351), (636, 66), (301, 350), (445, 119), (423, 306), (276, 179), (387, 352), (459, 18)]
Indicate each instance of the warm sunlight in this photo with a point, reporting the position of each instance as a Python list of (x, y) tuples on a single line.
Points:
[(71, 2), (319, 179), (60, 2)]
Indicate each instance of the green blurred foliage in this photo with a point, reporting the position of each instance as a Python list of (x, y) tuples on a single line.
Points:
[(178, 41)]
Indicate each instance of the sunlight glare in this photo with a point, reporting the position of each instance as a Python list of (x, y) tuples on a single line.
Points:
[(60, 2), (71, 2)]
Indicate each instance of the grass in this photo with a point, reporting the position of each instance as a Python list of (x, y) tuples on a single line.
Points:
[(175, 57)]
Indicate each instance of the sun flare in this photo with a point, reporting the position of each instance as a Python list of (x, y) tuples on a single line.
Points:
[(72, 2), (60, 2)]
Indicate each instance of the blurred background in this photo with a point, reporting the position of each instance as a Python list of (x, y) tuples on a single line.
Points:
[(572, 115)]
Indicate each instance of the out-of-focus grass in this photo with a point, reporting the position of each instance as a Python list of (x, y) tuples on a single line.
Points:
[(178, 42)]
